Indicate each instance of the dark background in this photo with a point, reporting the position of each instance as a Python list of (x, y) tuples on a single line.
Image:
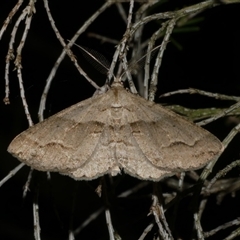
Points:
[(207, 59)]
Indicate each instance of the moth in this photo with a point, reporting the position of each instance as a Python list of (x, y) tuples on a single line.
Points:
[(114, 132)]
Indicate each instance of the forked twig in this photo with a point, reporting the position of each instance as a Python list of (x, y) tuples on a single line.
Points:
[(62, 55)]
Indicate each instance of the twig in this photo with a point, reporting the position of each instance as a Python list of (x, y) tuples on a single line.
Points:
[(233, 235), (221, 114), (11, 173), (121, 12), (203, 93), (30, 9), (133, 190), (146, 231), (10, 55), (36, 222), (148, 58), (202, 113), (26, 186), (222, 227), (62, 55), (222, 173), (71, 235), (208, 169), (9, 17), (92, 217), (156, 211), (103, 39), (109, 224), (181, 180), (198, 226), (158, 61), (65, 46)]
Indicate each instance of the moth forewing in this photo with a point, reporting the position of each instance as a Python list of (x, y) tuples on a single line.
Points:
[(116, 131)]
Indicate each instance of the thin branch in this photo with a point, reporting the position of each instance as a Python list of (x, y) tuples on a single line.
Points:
[(208, 169), (62, 55), (198, 227), (36, 222), (109, 224), (203, 93), (9, 17), (222, 227), (222, 114), (26, 186), (146, 231), (158, 61), (11, 173)]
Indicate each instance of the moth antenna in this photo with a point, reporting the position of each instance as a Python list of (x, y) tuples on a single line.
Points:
[(134, 65), (95, 58)]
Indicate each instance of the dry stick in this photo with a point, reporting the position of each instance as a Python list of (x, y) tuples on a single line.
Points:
[(151, 43), (30, 9), (147, 63), (73, 209), (120, 47), (158, 61), (202, 207), (129, 76), (123, 51), (164, 220), (222, 173), (203, 93), (196, 8), (94, 215), (121, 11), (208, 169), (175, 14), (11, 173), (126, 36), (133, 190), (10, 54), (137, 43), (223, 187), (109, 224), (201, 113), (71, 236), (146, 231), (156, 213), (62, 55), (113, 64), (9, 17), (222, 227), (221, 114), (233, 235), (103, 39), (36, 223), (198, 226), (26, 186), (68, 50), (181, 180)]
